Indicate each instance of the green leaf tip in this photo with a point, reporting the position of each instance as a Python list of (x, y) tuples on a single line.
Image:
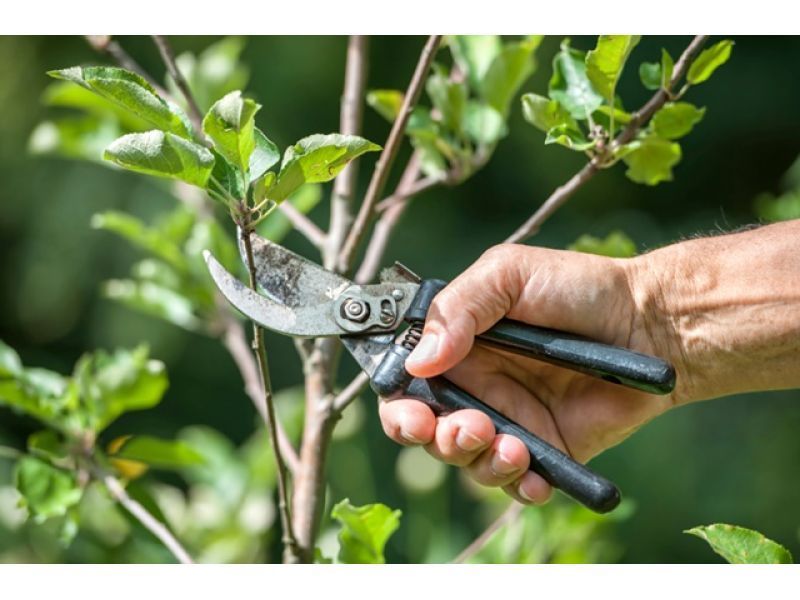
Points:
[(739, 545), (365, 531)]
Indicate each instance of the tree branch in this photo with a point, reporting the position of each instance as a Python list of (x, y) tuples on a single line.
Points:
[(235, 341), (168, 56), (350, 392), (639, 118), (384, 164), (508, 516), (303, 224), (288, 539), (148, 521)]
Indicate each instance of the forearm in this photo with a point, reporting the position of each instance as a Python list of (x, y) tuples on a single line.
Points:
[(725, 310)]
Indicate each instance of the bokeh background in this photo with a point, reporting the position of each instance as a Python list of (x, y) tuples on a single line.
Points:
[(733, 460)]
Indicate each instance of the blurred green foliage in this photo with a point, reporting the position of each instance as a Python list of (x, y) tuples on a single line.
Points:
[(703, 463)]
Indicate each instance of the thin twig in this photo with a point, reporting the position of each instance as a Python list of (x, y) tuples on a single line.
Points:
[(351, 114), (350, 392), (384, 164), (235, 341), (168, 56), (289, 541), (508, 516), (420, 185), (639, 118), (388, 221), (303, 224), (141, 514)]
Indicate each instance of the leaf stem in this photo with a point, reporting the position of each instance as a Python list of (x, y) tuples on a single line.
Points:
[(168, 56), (507, 517)]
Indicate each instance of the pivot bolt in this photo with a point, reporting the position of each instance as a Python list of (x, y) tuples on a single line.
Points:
[(355, 310)]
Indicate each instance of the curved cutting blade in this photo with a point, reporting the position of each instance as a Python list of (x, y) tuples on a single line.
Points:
[(299, 321)]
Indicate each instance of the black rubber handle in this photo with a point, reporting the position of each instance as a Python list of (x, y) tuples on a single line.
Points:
[(559, 469), (611, 363)]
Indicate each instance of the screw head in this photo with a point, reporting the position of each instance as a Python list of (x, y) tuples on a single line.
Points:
[(398, 294), (355, 310)]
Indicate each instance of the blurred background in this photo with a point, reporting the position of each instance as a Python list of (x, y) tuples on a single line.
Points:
[(732, 460)]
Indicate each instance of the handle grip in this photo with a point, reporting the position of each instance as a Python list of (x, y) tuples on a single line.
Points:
[(610, 363), (559, 469)]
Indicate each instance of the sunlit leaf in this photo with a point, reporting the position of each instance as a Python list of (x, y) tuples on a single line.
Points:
[(164, 155), (131, 92), (650, 160), (364, 531), (230, 123), (154, 300), (676, 119), (84, 137), (709, 61), (616, 244), (570, 84), (474, 54), (508, 71), (164, 454), (545, 114), (569, 137), (386, 103), (483, 124), (265, 155), (739, 545), (448, 97), (604, 64), (46, 491)]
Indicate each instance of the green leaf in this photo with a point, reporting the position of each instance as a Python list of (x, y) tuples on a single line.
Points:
[(483, 124), (46, 491), (115, 383), (604, 64), (10, 363), (650, 75), (784, 208), (616, 244), (667, 67), (507, 72), (474, 54), (68, 95), (131, 92), (83, 137), (676, 119), (709, 61), (650, 160), (739, 545), (151, 239), (265, 155), (47, 444), (316, 159), (448, 97), (230, 123), (164, 155), (620, 116), (545, 114), (226, 182), (155, 300), (570, 84), (365, 531), (277, 225), (569, 137), (386, 103), (164, 454)]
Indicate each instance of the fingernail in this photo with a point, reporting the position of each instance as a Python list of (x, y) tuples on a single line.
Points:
[(467, 441), (501, 466), (425, 351), (523, 495)]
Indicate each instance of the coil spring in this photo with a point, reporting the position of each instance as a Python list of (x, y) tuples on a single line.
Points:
[(413, 335)]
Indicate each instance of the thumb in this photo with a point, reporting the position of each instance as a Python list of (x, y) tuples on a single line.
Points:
[(469, 305)]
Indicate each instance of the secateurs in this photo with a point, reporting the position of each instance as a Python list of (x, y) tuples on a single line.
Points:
[(299, 298)]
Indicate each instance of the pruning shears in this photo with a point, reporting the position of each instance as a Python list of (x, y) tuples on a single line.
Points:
[(301, 299)]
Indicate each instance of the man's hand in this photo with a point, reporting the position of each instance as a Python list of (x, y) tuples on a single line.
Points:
[(674, 303)]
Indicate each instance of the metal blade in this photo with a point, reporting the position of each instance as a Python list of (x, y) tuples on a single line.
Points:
[(368, 350), (290, 279), (299, 321)]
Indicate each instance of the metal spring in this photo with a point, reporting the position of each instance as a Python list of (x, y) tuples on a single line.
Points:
[(413, 335)]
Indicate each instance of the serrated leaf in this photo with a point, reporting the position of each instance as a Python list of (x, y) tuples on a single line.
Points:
[(474, 54), (448, 97), (739, 545), (162, 154), (365, 531), (507, 72), (650, 160), (230, 123), (131, 92), (46, 491), (709, 61), (544, 113), (159, 453), (616, 244), (676, 119), (604, 64), (316, 159), (570, 84), (277, 225), (483, 124), (386, 103), (569, 137)]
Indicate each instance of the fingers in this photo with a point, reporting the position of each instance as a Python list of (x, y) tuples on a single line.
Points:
[(407, 422), (461, 436), (469, 305)]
